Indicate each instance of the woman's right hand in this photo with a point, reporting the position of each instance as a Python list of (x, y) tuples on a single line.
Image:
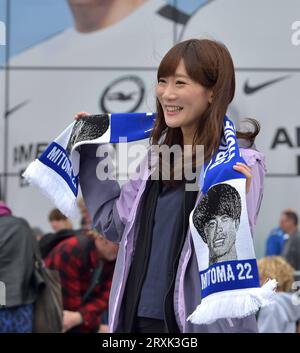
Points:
[(81, 115)]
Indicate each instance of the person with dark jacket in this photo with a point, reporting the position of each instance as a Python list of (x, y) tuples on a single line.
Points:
[(291, 249), (76, 258), (16, 270)]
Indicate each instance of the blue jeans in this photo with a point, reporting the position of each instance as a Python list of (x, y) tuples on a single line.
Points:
[(17, 319)]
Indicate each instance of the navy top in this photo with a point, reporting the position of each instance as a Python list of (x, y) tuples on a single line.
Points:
[(154, 289)]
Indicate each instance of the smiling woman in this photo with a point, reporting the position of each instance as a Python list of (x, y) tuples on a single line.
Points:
[(195, 85), (156, 282), (183, 101)]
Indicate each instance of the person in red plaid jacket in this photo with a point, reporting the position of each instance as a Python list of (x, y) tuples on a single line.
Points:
[(75, 257)]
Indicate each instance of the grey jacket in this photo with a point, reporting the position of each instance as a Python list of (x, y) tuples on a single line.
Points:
[(16, 260), (281, 315), (291, 250)]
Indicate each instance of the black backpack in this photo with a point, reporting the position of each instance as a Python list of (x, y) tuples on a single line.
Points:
[(48, 307), (86, 244), (49, 241)]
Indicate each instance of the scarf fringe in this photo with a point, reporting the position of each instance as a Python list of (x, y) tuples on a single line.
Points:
[(233, 304), (52, 186)]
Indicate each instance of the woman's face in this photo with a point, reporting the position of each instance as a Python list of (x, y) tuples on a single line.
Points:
[(183, 100)]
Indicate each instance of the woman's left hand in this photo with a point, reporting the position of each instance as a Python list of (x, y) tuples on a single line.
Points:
[(243, 168)]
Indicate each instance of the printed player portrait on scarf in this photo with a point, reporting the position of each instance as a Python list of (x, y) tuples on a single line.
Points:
[(222, 239), (217, 220)]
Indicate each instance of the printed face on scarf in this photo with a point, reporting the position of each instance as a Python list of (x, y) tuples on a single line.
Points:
[(220, 232), (182, 99), (88, 129)]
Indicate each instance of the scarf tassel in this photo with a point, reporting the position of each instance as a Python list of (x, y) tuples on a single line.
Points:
[(233, 304), (51, 185)]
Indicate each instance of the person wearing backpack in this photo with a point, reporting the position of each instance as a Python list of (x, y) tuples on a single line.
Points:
[(17, 294), (85, 276)]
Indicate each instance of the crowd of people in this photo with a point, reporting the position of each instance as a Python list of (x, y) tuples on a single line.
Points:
[(83, 259), (80, 254), (284, 240), (282, 261)]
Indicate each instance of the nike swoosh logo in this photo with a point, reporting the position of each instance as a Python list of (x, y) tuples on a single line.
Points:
[(16, 107), (252, 89)]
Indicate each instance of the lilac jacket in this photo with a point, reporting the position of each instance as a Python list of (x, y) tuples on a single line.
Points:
[(114, 213)]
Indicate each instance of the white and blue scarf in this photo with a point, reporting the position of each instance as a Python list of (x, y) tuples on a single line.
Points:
[(219, 224), (228, 272), (56, 171)]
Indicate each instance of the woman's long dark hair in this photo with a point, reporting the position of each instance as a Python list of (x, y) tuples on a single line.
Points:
[(208, 63)]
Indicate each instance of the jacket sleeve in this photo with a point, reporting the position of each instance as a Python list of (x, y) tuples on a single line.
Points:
[(255, 160), (108, 204)]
